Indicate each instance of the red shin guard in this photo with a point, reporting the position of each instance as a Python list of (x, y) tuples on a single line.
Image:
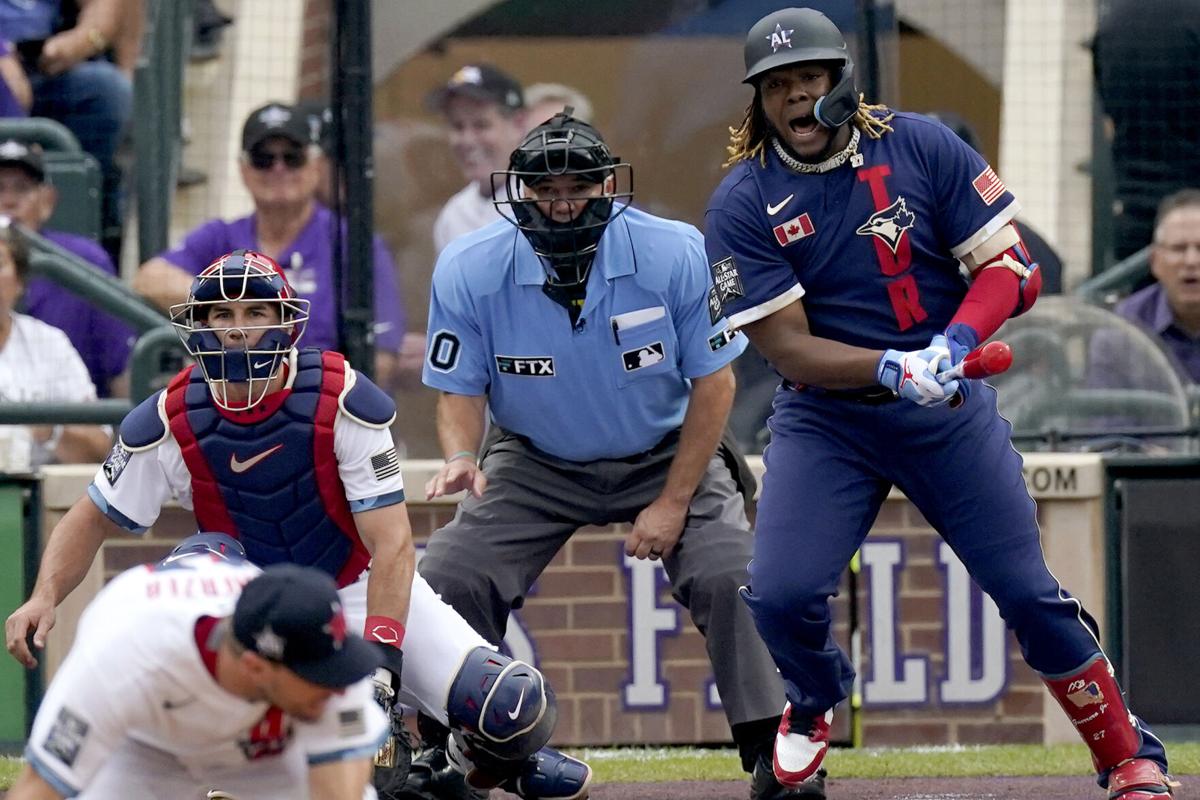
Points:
[(1093, 701)]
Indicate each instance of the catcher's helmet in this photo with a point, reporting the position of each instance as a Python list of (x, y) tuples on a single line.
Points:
[(219, 546), (563, 145), (240, 276), (794, 35)]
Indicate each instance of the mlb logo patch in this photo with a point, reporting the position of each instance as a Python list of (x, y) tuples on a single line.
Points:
[(794, 230), (642, 357), (988, 186)]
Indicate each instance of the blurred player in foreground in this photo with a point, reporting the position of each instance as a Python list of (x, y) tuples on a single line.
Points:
[(290, 451), (259, 691), (835, 243)]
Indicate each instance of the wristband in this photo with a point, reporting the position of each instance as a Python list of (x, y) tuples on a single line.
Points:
[(386, 630), (460, 454)]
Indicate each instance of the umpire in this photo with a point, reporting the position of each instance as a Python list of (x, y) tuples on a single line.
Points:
[(587, 330)]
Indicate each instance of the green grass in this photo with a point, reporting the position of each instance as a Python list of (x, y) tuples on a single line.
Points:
[(641, 764)]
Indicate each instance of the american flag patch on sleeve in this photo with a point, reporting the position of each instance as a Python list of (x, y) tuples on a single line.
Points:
[(385, 464), (988, 186)]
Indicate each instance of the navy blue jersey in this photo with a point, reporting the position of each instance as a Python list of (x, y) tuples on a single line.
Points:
[(872, 246)]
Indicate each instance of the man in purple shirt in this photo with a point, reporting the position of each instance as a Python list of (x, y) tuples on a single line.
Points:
[(280, 167), (1170, 308), (102, 341)]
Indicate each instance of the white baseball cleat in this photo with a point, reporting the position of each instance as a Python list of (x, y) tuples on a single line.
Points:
[(800, 746)]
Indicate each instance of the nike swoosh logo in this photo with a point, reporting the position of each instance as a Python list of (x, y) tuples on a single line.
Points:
[(261, 364), (775, 209), (241, 466), (171, 705), (520, 701)]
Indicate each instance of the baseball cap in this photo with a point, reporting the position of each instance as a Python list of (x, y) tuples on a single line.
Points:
[(278, 119), (292, 615), (23, 154), (482, 81)]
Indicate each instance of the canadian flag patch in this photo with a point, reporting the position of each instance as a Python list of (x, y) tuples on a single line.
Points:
[(794, 230), (989, 186)]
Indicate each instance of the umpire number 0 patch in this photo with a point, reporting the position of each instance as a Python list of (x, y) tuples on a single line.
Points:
[(444, 349)]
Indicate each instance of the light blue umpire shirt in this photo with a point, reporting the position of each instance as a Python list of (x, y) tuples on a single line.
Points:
[(611, 386)]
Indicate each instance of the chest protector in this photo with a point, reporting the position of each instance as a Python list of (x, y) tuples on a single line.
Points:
[(269, 476)]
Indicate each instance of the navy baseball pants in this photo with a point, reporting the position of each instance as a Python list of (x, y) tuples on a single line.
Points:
[(829, 466)]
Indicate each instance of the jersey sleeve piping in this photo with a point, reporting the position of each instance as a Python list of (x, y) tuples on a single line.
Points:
[(48, 775), (1002, 218), (350, 753), (762, 310), (378, 501), (113, 514)]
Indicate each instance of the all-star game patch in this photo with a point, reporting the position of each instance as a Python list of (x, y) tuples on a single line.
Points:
[(66, 737), (719, 340), (115, 464), (716, 309), (726, 279)]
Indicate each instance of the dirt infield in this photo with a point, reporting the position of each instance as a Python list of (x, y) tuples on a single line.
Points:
[(1074, 788)]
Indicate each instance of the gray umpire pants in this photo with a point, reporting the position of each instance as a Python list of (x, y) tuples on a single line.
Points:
[(485, 560)]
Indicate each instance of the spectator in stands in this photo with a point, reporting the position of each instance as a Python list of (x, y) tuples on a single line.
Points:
[(75, 84), (15, 93), (100, 339), (1147, 69), (544, 100), (1170, 308), (281, 169), (38, 365), (485, 116)]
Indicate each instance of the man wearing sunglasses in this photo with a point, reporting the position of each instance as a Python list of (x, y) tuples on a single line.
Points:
[(280, 166)]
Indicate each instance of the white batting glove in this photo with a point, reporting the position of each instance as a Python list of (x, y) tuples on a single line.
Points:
[(913, 375)]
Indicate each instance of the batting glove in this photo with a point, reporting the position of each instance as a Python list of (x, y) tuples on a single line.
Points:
[(913, 375)]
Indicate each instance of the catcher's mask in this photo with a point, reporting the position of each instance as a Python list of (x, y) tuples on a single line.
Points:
[(251, 354), (563, 146)]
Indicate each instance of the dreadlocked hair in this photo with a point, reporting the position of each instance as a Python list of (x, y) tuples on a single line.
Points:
[(749, 140)]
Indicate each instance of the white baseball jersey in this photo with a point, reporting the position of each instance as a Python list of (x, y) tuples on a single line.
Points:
[(136, 484), (135, 688)]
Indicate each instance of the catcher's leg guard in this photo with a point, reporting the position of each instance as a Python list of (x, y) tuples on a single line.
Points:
[(1140, 779), (550, 775), (1093, 701)]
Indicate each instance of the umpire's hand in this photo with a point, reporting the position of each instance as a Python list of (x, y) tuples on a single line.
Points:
[(456, 475), (36, 616)]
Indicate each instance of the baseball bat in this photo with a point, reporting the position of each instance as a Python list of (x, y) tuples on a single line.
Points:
[(991, 359)]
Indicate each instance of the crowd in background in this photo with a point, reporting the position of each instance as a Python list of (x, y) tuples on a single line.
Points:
[(72, 61)]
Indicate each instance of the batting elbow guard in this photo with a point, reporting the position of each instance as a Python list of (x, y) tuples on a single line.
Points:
[(1029, 275)]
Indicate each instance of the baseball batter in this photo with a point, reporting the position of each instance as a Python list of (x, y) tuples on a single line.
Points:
[(290, 451), (836, 242), (259, 691)]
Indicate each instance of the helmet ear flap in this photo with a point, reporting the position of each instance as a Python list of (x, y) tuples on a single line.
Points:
[(836, 108)]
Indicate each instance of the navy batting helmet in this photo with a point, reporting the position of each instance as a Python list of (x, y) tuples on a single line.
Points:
[(795, 35), (216, 545)]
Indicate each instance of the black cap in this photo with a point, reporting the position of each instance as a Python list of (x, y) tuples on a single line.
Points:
[(320, 116), (23, 154), (292, 615), (278, 119), (482, 81)]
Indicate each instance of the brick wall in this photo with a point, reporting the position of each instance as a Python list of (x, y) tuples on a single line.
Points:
[(579, 621)]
